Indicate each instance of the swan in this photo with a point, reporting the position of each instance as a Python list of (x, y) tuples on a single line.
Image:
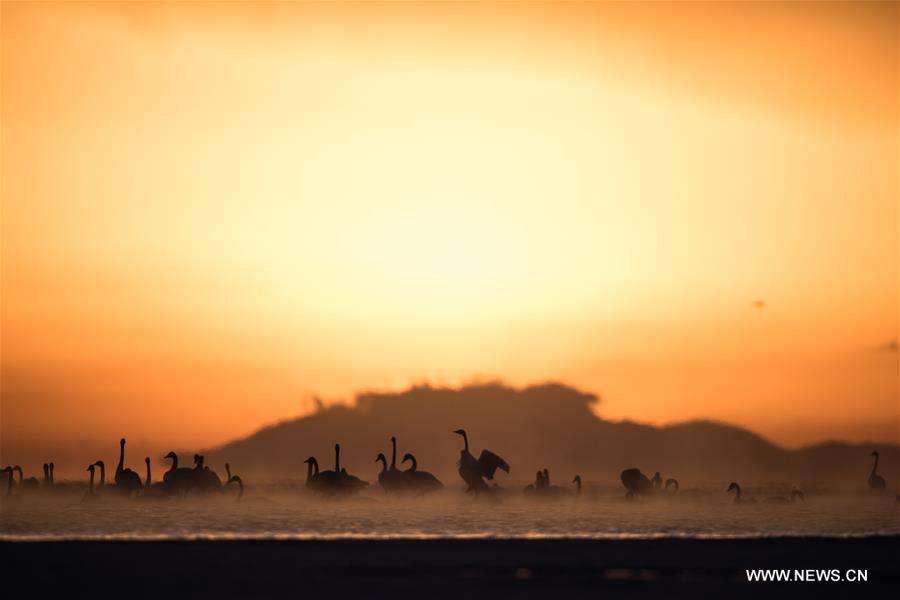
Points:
[(52, 481), (737, 493), (312, 472), (348, 483), (391, 478), (9, 480), (102, 466), (673, 482), (635, 482), (656, 480), (473, 471), (421, 481), (237, 480), (208, 480), (177, 479), (90, 496), (876, 481), (577, 482), (26, 484), (152, 490), (127, 481), (46, 481)]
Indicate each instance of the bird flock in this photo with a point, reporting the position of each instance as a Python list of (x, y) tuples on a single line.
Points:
[(200, 479)]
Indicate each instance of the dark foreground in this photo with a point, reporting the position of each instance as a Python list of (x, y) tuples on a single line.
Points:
[(444, 568)]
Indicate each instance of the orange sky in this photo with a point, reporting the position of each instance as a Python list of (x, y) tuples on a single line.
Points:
[(213, 212)]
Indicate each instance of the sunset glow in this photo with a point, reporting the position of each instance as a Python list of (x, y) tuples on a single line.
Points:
[(214, 213)]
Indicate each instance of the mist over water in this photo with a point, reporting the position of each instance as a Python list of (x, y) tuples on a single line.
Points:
[(269, 513)]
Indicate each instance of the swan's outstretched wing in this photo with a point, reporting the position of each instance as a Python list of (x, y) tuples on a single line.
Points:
[(490, 462)]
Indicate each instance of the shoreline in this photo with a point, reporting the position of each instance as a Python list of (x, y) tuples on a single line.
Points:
[(438, 568)]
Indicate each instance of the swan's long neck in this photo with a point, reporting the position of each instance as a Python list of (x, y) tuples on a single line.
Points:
[(337, 459), (9, 479), (415, 463), (393, 454), (578, 485), (149, 480), (91, 484), (102, 475), (315, 466), (121, 457), (308, 471), (51, 473), (737, 492), (18, 469), (383, 462), (465, 441), (174, 458), (46, 474), (874, 466)]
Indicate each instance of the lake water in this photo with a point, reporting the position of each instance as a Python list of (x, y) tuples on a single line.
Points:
[(280, 514)]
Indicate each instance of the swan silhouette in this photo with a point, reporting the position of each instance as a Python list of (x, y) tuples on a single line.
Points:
[(177, 480), (127, 481), (239, 482), (391, 478), (312, 471), (334, 482), (738, 499), (671, 481), (29, 484), (152, 490), (656, 480), (90, 496), (577, 482), (636, 483), (9, 480), (102, 483), (52, 481), (420, 481), (474, 471), (876, 481), (207, 479)]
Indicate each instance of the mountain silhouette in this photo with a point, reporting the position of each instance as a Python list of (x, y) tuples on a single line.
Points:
[(549, 426)]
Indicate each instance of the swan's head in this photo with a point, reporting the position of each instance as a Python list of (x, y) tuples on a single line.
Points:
[(407, 457), (393, 439), (337, 447), (459, 431), (577, 479), (171, 455), (99, 463), (122, 442), (90, 468), (380, 457), (147, 459), (733, 486)]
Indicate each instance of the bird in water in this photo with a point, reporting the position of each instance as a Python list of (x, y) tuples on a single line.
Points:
[(876, 481), (671, 481), (207, 479), (9, 480), (474, 471), (336, 482), (391, 478), (420, 481), (90, 496), (733, 486), (237, 481), (127, 481), (177, 480), (29, 484), (102, 483), (636, 483)]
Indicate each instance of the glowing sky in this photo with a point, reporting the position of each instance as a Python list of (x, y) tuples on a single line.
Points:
[(213, 212)]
